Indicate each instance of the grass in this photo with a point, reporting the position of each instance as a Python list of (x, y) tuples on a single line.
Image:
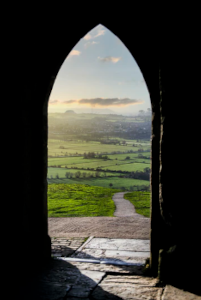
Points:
[(141, 201), (125, 165), (115, 163), (83, 146), (128, 166), (117, 182), (80, 200)]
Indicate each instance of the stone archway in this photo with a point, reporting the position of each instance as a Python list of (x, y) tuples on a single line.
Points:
[(42, 44)]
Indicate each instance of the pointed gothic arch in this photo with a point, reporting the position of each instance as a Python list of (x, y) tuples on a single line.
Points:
[(151, 79)]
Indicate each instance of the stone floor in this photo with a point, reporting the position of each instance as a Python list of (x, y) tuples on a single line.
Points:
[(100, 268), (65, 247)]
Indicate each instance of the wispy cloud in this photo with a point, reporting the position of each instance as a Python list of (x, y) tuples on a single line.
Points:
[(109, 58), (87, 37), (74, 52), (88, 44), (99, 31), (58, 102), (99, 102)]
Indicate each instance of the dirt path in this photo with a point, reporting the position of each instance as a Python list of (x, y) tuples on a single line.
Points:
[(124, 208), (126, 224)]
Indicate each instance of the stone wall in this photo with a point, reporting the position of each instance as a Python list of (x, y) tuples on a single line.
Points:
[(175, 221)]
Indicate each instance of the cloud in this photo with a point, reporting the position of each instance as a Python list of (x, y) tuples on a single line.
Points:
[(109, 58), (54, 102), (99, 31), (58, 102), (87, 37), (90, 43), (74, 52), (68, 101), (99, 102)]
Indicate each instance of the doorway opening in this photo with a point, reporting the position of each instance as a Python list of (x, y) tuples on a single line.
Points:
[(99, 142)]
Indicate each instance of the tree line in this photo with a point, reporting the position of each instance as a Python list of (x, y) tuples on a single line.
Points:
[(93, 155)]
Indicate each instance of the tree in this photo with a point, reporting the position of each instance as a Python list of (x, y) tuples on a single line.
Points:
[(78, 174), (127, 157), (57, 176), (97, 173), (110, 184)]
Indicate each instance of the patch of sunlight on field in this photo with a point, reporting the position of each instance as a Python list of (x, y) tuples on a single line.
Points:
[(141, 201), (76, 200), (81, 147), (117, 183), (130, 167)]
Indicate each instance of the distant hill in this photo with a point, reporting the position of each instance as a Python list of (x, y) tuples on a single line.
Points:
[(69, 112)]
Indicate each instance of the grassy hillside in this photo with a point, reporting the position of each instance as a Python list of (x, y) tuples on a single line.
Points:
[(141, 201), (79, 200), (117, 183)]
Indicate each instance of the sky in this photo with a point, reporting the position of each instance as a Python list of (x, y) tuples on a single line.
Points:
[(99, 73)]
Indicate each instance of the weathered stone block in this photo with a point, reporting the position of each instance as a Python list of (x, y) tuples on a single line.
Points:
[(172, 292)]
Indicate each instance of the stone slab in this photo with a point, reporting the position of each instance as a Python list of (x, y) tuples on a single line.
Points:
[(128, 287), (124, 269), (103, 261), (72, 259), (127, 292), (85, 283), (60, 279), (131, 279), (119, 244), (118, 254), (172, 292), (65, 246), (123, 256)]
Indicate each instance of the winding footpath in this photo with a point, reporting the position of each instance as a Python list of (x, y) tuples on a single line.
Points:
[(124, 208)]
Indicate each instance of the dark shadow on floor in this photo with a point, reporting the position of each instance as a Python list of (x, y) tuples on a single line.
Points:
[(60, 280)]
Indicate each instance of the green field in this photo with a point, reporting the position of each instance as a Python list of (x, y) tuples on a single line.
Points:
[(76, 200), (76, 186), (117, 163), (141, 201), (137, 164), (83, 146), (131, 155), (130, 167), (117, 183)]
